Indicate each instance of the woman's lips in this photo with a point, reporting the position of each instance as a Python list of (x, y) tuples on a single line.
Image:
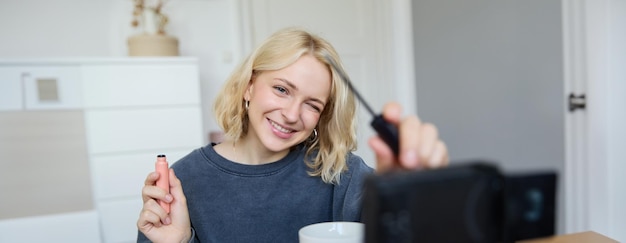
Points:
[(280, 131)]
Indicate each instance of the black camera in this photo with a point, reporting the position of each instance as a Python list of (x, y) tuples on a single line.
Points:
[(464, 202)]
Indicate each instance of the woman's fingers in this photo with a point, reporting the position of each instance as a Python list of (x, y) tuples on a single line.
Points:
[(439, 156), (410, 141), (154, 221), (176, 188), (385, 159), (150, 191), (179, 211), (147, 220), (152, 214), (392, 112), (151, 179), (420, 145), (179, 204)]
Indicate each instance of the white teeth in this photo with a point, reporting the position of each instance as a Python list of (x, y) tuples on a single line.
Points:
[(280, 128)]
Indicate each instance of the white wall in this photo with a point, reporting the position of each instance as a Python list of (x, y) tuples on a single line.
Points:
[(206, 29), (54, 28)]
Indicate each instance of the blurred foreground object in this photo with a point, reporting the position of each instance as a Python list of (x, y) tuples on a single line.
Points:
[(465, 202)]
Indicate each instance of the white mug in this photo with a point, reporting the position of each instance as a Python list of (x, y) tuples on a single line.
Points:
[(332, 232)]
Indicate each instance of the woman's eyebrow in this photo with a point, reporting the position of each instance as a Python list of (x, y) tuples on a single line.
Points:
[(294, 87), (289, 83)]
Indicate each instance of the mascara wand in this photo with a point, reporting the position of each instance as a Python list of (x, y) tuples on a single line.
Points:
[(385, 130)]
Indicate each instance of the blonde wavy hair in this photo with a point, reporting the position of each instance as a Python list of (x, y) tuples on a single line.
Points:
[(337, 124)]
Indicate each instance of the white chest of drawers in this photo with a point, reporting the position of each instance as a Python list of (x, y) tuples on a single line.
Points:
[(132, 110)]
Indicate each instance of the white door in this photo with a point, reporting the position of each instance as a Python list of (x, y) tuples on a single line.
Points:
[(353, 27)]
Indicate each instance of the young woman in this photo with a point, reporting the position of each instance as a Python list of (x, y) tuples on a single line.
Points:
[(286, 161)]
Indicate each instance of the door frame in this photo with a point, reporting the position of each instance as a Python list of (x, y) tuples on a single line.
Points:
[(591, 189), (574, 61)]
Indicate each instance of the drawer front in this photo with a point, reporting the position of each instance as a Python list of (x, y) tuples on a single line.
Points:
[(115, 131), (76, 227), (119, 220), (140, 85), (11, 92), (44, 162), (123, 176), (41, 88)]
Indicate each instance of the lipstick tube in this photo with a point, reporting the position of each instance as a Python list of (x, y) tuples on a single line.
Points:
[(163, 182)]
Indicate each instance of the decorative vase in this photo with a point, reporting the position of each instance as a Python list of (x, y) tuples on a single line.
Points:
[(152, 45)]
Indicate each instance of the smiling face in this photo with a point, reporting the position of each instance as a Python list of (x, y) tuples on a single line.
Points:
[(286, 104)]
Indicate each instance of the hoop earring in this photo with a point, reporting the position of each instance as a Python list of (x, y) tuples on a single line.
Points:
[(314, 136), (247, 104)]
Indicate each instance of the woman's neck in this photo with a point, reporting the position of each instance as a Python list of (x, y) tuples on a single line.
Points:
[(244, 151)]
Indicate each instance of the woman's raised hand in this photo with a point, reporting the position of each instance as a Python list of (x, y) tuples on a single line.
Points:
[(154, 222), (420, 146)]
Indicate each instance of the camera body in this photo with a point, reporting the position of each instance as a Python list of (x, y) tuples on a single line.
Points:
[(464, 202)]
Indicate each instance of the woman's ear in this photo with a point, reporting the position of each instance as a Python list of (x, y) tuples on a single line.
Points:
[(247, 94)]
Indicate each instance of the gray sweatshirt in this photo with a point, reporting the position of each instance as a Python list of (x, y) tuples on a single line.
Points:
[(231, 202)]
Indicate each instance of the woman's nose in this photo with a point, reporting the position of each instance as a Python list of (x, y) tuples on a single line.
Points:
[(291, 112)]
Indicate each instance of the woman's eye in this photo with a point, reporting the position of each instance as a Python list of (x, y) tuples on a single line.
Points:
[(280, 89), (315, 107)]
